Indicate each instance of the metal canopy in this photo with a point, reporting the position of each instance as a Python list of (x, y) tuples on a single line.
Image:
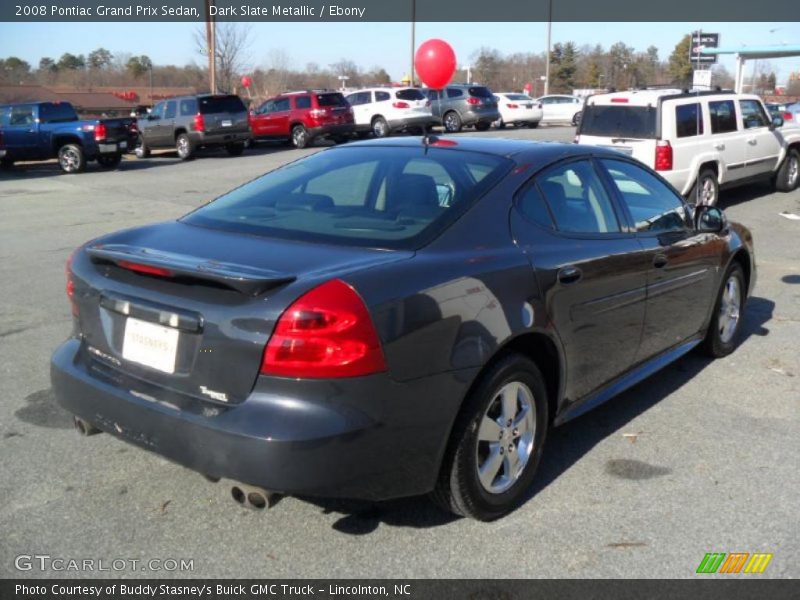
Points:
[(753, 52)]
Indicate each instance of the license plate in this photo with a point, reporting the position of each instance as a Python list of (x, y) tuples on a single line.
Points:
[(226, 123), (152, 345), (123, 145), (529, 106)]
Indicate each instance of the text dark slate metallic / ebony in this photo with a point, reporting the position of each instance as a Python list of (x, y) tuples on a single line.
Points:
[(392, 318)]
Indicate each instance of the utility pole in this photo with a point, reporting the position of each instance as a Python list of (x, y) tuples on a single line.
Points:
[(547, 58), (211, 45), (413, 39)]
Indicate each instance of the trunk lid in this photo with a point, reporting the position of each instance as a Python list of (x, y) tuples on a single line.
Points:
[(191, 309)]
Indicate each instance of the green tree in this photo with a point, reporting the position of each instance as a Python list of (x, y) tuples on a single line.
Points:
[(565, 67), (48, 65), (593, 75), (99, 59), (138, 65), (680, 62), (70, 62), (486, 66)]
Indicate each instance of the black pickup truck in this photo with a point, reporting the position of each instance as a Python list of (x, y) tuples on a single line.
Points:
[(43, 130)]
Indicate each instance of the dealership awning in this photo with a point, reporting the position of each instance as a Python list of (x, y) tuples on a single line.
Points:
[(753, 52)]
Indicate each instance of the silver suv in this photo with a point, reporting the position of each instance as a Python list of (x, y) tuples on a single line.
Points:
[(460, 105)]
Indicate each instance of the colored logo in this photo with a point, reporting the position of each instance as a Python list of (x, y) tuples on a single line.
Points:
[(735, 562)]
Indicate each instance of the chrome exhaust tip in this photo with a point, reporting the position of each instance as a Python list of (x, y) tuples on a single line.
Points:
[(254, 497), (83, 427)]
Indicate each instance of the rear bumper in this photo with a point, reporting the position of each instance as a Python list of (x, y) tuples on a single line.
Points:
[(406, 122), (367, 438), (472, 117), (332, 130), (219, 139)]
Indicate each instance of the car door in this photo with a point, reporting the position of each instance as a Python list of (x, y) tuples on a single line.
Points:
[(727, 140), (435, 97), (166, 130), (763, 143), (20, 132), (592, 271), (258, 121), (152, 131), (549, 108), (682, 263), (279, 117)]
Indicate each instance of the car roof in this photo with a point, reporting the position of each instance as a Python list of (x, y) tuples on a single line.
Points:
[(649, 97)]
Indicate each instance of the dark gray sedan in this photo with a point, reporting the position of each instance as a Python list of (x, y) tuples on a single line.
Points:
[(396, 317)]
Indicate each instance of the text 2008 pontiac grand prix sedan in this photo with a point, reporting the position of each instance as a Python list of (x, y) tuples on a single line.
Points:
[(397, 317)]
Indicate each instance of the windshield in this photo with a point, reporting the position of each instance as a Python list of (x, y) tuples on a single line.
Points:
[(619, 121), (359, 196), (221, 104)]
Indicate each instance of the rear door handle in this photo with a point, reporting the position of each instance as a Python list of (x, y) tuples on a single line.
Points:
[(719, 146), (569, 275), (752, 141), (660, 261)]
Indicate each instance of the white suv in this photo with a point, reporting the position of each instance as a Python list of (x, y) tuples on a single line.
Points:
[(698, 141), (385, 110)]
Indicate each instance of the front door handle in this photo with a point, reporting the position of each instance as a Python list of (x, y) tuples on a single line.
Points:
[(752, 141), (719, 146), (660, 261), (569, 275)]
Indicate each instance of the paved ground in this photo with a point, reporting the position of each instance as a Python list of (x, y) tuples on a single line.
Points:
[(702, 457)]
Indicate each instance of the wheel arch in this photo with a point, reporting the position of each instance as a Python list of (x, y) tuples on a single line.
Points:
[(63, 140), (178, 131)]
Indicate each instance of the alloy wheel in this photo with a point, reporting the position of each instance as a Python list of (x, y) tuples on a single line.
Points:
[(69, 159), (729, 310)]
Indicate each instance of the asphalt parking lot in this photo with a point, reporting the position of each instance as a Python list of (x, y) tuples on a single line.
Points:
[(702, 457)]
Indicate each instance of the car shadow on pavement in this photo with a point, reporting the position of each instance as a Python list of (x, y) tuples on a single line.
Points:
[(745, 193), (565, 446)]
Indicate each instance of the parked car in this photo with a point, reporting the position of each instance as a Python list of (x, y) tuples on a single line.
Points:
[(698, 141), (517, 109), (790, 115), (395, 317), (188, 123), (383, 111), (463, 105), (559, 108), (35, 131), (303, 117)]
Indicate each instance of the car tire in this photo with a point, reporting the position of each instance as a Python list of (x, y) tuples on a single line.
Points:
[(184, 147), (705, 190), (452, 122), (501, 124), (726, 320), (71, 158), (299, 137), (482, 126), (380, 128), (141, 150), (109, 161), (6, 163), (235, 149), (788, 176), (533, 124), (471, 450)]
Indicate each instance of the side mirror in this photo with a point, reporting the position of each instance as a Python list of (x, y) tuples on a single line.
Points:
[(709, 219), (777, 121)]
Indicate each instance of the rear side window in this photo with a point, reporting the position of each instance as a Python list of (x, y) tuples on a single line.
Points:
[(382, 96), (723, 116), (454, 93), (57, 113), (302, 102), (532, 205), (410, 94), (638, 122), (359, 98), (221, 104), (752, 114), (480, 91), (651, 203), (577, 199), (188, 107), (688, 120), (171, 107), (331, 100)]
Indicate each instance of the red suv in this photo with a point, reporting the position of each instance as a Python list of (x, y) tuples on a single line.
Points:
[(302, 117)]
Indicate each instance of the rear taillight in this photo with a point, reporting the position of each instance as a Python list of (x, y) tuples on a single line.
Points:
[(199, 122), (100, 132), (317, 113), (144, 269), (400, 104), (512, 105), (787, 116), (71, 284), (473, 100), (325, 333), (663, 156)]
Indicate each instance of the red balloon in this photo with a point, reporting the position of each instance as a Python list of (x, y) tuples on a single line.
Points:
[(435, 62), (246, 81)]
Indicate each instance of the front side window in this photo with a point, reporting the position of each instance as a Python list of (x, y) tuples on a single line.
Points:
[(652, 204), (753, 114), (688, 120), (281, 105), (577, 199), (723, 116), (21, 116), (158, 110)]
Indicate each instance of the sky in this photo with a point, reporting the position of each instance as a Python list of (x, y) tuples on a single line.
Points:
[(387, 45)]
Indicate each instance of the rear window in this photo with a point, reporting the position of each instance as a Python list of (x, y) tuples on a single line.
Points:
[(377, 197), (57, 113), (331, 100), (521, 97), (619, 121), (480, 92), (221, 104), (412, 94)]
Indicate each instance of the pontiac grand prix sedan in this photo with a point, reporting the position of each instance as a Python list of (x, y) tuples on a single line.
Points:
[(397, 317)]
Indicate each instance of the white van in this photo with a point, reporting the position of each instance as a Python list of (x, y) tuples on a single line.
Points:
[(698, 141)]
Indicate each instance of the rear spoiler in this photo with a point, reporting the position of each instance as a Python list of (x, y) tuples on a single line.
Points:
[(247, 280)]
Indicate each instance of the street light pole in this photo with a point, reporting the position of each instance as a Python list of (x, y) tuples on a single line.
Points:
[(547, 58), (413, 39), (211, 44)]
